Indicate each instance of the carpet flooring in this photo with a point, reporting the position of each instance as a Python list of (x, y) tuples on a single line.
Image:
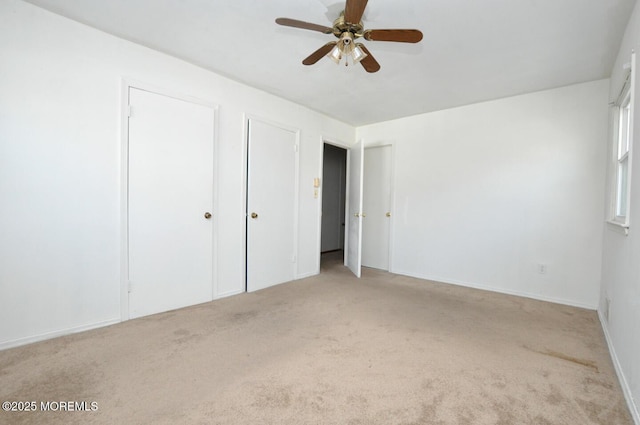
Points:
[(330, 349)]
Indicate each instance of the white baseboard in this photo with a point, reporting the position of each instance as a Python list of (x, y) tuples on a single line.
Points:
[(67, 331), (308, 274), (229, 293), (41, 337), (621, 376), (500, 290)]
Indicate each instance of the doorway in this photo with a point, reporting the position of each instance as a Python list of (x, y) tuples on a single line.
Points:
[(356, 207), (334, 183)]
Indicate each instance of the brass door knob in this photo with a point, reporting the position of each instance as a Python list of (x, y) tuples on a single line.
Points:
[(254, 215), (388, 214), (207, 215)]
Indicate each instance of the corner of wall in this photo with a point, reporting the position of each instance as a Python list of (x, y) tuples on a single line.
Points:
[(626, 389)]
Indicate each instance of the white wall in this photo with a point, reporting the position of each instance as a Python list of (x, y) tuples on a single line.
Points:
[(621, 254), (60, 186), (484, 193)]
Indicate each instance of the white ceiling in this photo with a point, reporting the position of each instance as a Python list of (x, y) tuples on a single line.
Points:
[(472, 50)]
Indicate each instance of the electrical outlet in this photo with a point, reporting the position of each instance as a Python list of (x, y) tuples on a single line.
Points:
[(542, 268)]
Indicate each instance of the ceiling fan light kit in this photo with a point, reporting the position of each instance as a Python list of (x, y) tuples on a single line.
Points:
[(347, 28), (357, 53), (335, 54), (346, 48)]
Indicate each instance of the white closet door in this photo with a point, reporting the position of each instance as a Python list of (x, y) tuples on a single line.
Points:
[(170, 194), (272, 200), (376, 207)]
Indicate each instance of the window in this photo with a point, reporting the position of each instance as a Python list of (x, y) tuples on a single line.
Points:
[(622, 166), (622, 153)]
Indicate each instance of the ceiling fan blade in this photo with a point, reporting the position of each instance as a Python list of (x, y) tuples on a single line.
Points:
[(304, 25), (368, 63), (353, 10), (403, 36), (319, 54)]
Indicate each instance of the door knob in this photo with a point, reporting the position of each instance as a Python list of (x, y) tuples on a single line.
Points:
[(388, 214), (207, 215), (254, 215)]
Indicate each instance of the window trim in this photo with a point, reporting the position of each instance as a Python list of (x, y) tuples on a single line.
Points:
[(623, 158)]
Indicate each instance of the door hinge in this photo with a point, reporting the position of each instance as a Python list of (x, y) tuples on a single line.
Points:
[(293, 258), (129, 287), (295, 148), (129, 113)]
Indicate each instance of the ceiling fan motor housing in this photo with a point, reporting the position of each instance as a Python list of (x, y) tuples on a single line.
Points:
[(340, 26)]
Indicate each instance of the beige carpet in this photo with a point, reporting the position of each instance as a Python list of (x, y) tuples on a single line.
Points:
[(330, 349)]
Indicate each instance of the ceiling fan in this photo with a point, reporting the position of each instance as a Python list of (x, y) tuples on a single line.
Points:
[(348, 28)]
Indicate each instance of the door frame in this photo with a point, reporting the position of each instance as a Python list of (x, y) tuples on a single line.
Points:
[(125, 85), (246, 117), (347, 147)]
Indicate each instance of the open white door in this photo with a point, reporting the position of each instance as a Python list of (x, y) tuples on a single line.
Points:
[(353, 258)]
